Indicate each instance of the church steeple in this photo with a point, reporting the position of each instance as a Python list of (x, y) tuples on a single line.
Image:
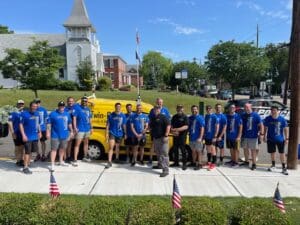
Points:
[(79, 17)]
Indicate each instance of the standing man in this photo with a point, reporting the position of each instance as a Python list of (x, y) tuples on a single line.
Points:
[(14, 128), (252, 125), (210, 136), (61, 129), (129, 140), (179, 127), (70, 108), (139, 125), (83, 129), (163, 110), (115, 131), (43, 114), (233, 135), (160, 129), (196, 132), (276, 134), (31, 133), (221, 133)]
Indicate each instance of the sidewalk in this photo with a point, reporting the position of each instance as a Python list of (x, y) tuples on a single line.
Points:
[(93, 179)]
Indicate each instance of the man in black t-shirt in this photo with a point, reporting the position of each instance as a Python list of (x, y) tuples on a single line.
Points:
[(179, 127)]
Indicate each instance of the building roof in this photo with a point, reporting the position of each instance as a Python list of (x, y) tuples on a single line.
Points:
[(79, 16), (113, 56), (24, 41)]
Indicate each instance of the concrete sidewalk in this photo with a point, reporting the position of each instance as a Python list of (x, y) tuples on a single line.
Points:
[(93, 179)]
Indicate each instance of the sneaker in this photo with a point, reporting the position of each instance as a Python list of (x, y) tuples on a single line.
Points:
[(51, 168), (27, 171), (245, 164), (253, 167), (149, 163), (43, 158), (184, 167), (229, 163), (164, 174), (212, 166), (174, 165), (63, 164), (68, 160), (284, 171), (157, 167), (133, 163), (198, 167), (220, 163), (74, 163), (86, 159), (271, 168), (37, 158), (192, 164), (235, 165), (142, 163), (108, 165)]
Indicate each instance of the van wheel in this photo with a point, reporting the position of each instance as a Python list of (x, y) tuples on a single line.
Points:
[(96, 150)]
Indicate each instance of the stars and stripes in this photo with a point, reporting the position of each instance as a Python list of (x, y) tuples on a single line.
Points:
[(277, 200), (53, 188), (176, 197)]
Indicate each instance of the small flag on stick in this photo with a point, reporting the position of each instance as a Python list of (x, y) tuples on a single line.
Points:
[(176, 197), (278, 202), (53, 188)]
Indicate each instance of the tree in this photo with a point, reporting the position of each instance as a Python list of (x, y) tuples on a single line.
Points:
[(86, 74), (5, 30), (155, 69), (239, 64), (35, 69)]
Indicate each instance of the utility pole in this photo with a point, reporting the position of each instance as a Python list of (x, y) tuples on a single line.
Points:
[(257, 35), (292, 160)]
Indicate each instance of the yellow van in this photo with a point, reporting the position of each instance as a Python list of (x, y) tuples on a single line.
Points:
[(101, 108)]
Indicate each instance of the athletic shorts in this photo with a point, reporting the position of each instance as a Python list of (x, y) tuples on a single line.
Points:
[(197, 146), (250, 143), (233, 144), (128, 141), (118, 140), (220, 144), (18, 141), (44, 136), (272, 147), (82, 135), (209, 142), (31, 146), (58, 144), (141, 142)]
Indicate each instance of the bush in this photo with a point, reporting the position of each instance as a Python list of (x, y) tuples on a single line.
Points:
[(127, 88), (257, 212), (104, 84), (205, 211), (67, 85)]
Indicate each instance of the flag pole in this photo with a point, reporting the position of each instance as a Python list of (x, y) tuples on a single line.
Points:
[(137, 66)]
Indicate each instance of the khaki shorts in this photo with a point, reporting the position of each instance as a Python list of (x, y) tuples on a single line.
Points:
[(195, 145), (82, 135), (250, 143), (58, 144)]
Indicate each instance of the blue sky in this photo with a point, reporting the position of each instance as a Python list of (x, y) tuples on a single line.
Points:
[(179, 29)]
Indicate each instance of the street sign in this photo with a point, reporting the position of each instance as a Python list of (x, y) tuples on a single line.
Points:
[(184, 74), (262, 85), (177, 75)]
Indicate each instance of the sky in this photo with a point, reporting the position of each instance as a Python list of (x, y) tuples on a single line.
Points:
[(179, 29)]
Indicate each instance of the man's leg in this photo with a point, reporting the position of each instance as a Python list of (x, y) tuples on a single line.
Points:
[(141, 154), (175, 152), (86, 148), (253, 155), (135, 154), (164, 155), (76, 150)]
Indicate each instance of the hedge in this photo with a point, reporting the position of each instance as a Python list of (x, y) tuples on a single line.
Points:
[(35, 209)]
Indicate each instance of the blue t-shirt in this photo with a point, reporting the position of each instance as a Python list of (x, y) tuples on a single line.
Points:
[(163, 111), (43, 117), (211, 120), (128, 128), (233, 125), (250, 125), (83, 115), (14, 118), (30, 122), (59, 124), (139, 122), (195, 125), (116, 123), (275, 128), (222, 122)]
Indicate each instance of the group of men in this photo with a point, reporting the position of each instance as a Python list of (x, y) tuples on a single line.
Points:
[(70, 125)]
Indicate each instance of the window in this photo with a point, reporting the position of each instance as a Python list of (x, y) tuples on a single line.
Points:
[(106, 63), (79, 54), (61, 74), (111, 64)]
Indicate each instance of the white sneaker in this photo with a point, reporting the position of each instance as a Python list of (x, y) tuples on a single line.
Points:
[(63, 164), (74, 163), (85, 159), (271, 168), (51, 168)]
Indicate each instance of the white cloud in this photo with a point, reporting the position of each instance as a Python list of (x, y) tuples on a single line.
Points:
[(186, 2), (169, 54), (178, 28)]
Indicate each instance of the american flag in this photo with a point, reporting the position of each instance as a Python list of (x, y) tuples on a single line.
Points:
[(278, 202), (53, 188), (176, 197)]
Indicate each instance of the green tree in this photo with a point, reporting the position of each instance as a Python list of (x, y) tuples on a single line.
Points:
[(155, 69), (239, 64), (35, 69), (86, 74), (5, 30)]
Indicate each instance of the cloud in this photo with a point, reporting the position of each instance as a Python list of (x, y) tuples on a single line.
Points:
[(186, 2), (169, 54), (27, 32), (178, 28), (289, 4)]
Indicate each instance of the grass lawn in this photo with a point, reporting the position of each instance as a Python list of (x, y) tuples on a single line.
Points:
[(50, 98)]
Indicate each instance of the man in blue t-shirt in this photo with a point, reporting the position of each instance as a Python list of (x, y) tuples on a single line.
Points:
[(31, 133), (252, 130), (61, 130), (128, 141), (276, 134), (196, 132), (43, 113), (233, 135), (82, 127), (210, 135), (138, 126), (115, 131), (14, 128), (221, 133)]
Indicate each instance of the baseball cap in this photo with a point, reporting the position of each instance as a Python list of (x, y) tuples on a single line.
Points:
[(37, 100), (20, 101), (61, 103)]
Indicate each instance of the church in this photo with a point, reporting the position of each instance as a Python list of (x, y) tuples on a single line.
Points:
[(78, 43)]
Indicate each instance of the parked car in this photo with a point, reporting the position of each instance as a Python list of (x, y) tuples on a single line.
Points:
[(261, 94), (243, 91), (224, 95), (261, 106)]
